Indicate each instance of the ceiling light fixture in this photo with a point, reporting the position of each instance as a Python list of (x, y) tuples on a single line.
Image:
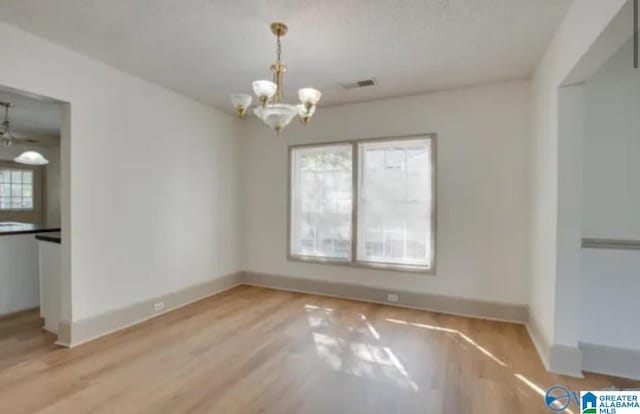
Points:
[(272, 111), (31, 158), (5, 133), (8, 140)]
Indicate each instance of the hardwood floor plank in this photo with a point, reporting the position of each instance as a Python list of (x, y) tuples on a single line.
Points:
[(256, 350)]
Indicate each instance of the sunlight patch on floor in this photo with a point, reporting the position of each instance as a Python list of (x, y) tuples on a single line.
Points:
[(371, 360), (465, 337)]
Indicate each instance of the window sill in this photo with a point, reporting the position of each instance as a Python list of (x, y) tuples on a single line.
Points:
[(364, 265)]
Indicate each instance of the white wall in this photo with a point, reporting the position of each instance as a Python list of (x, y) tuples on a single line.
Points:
[(584, 22), (611, 203), (18, 273), (151, 202), (609, 288), (482, 196), (571, 107)]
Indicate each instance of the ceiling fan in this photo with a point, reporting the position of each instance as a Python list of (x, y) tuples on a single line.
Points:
[(8, 140)]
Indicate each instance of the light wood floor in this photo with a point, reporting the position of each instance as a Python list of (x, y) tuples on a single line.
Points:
[(255, 350), (22, 338)]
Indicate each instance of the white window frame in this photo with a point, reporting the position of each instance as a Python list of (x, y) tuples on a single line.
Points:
[(34, 215), (22, 169), (355, 168)]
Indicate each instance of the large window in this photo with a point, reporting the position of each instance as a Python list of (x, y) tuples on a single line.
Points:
[(367, 202), (321, 202)]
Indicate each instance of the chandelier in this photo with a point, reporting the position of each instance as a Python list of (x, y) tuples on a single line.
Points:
[(272, 111)]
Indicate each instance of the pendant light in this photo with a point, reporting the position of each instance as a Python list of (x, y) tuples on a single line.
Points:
[(31, 158), (271, 109)]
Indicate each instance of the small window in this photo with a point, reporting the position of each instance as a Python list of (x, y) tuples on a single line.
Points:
[(369, 202), (16, 189)]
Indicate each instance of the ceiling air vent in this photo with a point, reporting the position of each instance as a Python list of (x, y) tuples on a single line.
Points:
[(358, 84)]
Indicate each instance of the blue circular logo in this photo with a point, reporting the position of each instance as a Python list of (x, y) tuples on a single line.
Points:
[(558, 398)]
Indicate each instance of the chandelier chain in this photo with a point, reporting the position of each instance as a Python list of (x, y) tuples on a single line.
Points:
[(5, 122), (279, 50)]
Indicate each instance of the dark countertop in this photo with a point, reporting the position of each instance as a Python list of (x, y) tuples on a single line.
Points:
[(13, 227), (50, 237)]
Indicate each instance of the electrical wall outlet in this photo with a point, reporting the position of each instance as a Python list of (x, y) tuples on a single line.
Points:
[(391, 297), (157, 307)]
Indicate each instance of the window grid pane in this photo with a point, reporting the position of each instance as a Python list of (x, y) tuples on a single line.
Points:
[(16, 189), (394, 202), (321, 202)]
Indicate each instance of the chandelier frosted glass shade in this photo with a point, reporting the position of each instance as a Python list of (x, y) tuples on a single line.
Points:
[(264, 90), (31, 158), (276, 116), (309, 96), (241, 101)]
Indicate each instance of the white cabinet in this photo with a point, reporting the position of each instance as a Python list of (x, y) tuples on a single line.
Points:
[(50, 284), (18, 273)]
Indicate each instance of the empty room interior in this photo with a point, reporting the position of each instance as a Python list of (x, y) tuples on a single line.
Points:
[(356, 206)]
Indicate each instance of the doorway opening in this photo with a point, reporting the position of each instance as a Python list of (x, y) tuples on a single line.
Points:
[(34, 223)]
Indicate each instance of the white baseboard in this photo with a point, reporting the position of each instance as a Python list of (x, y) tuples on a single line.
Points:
[(603, 359), (560, 359), (556, 358), (539, 341), (565, 360), (600, 359), (85, 330), (414, 300)]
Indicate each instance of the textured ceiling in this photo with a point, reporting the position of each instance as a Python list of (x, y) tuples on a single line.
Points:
[(208, 48)]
